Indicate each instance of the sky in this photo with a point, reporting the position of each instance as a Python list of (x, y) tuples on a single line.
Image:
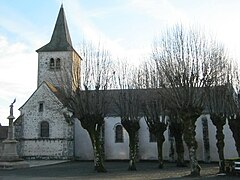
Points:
[(126, 27)]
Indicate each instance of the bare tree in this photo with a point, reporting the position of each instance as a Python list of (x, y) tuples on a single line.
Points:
[(156, 119), (182, 58), (154, 107), (176, 130), (87, 95), (128, 104), (219, 94), (218, 116), (233, 102)]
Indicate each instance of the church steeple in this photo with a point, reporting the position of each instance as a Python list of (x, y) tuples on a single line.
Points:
[(58, 55), (61, 40)]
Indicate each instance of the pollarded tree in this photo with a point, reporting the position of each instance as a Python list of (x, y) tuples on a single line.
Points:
[(182, 58), (87, 96), (218, 95), (233, 103), (218, 114), (154, 105), (176, 130), (156, 120), (128, 105)]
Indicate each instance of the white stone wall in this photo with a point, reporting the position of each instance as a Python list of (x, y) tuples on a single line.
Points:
[(199, 139), (115, 150), (46, 149), (69, 61), (60, 132), (83, 146), (148, 150), (229, 147)]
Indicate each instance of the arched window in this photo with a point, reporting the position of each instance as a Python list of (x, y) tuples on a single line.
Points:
[(119, 134), (58, 63), (44, 128), (52, 64)]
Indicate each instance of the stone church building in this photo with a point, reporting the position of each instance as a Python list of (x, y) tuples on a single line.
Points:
[(43, 131)]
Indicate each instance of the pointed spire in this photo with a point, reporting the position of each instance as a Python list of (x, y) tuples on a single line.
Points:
[(61, 40)]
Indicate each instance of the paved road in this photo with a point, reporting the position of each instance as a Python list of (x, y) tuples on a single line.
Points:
[(116, 170)]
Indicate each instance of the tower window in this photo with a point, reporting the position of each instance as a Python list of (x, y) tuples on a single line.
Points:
[(40, 107), (52, 64), (55, 64), (44, 129), (58, 63), (119, 134)]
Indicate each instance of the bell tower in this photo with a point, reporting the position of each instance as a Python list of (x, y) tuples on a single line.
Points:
[(57, 60)]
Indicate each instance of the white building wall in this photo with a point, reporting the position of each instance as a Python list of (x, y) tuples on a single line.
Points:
[(59, 144), (212, 140), (229, 148), (199, 139), (45, 149), (115, 150), (148, 150), (83, 146)]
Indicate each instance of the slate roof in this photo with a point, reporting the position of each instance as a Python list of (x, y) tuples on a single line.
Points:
[(55, 90), (61, 40)]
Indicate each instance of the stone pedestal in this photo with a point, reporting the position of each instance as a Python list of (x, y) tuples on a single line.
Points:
[(10, 151), (9, 158)]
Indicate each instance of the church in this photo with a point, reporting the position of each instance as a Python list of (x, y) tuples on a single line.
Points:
[(43, 131)]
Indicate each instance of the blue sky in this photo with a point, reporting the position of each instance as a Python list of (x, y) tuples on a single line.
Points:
[(126, 27)]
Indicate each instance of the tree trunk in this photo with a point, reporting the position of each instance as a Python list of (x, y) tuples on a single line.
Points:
[(132, 150), (206, 140), (189, 138), (180, 151), (93, 123), (220, 146), (219, 121), (235, 128), (98, 152), (176, 129), (158, 128), (160, 140), (171, 149), (132, 127)]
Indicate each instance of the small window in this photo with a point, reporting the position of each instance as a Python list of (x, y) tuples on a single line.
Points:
[(44, 129), (119, 134), (58, 63), (152, 137), (40, 108), (52, 64)]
